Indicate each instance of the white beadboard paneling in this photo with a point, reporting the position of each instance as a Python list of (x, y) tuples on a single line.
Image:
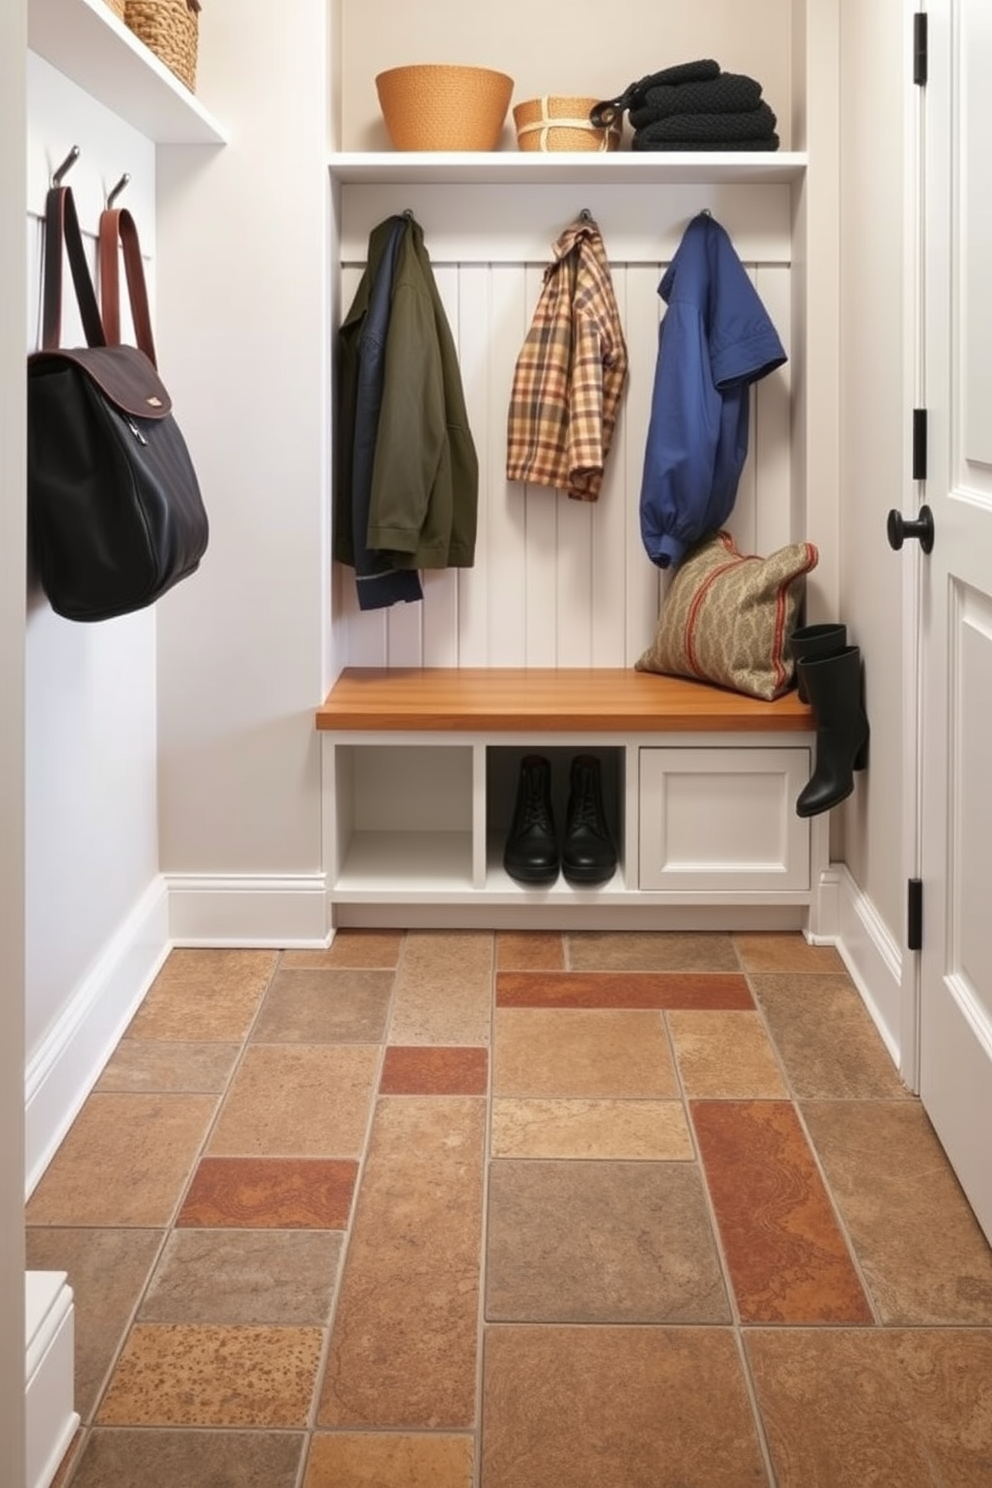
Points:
[(771, 449), (505, 517)]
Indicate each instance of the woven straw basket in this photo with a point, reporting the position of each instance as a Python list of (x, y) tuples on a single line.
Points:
[(430, 107), (170, 29), (561, 124), (117, 6)]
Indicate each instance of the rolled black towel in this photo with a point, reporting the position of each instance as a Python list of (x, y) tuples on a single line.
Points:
[(730, 93), (703, 129), (638, 142)]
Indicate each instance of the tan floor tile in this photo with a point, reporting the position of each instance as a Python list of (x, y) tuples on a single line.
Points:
[(324, 1007), (298, 1100), (633, 1129), (582, 1052), (404, 1342), (888, 1407), (635, 950), (786, 952), (827, 1042), (118, 1458), (107, 1270), (372, 1460), (725, 1055), (623, 989), (616, 1407), (204, 996), (530, 950), (443, 991), (375, 948), (187, 1375), (283, 1277), (919, 1245), (152, 1065), (124, 1161), (600, 1242)]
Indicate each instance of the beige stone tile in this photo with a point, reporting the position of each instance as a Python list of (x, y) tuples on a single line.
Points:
[(373, 948), (826, 1040), (282, 1277), (298, 1100), (324, 1007), (372, 1459), (639, 950), (155, 1065), (404, 1342), (725, 1055), (918, 1243), (582, 1052), (150, 1458), (906, 1408), (443, 991), (786, 952), (178, 1374), (530, 950), (634, 1129), (204, 996), (124, 1161), (616, 1407)]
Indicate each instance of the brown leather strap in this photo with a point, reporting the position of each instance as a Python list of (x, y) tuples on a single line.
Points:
[(62, 230), (117, 227)]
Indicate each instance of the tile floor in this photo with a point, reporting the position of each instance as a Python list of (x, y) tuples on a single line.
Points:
[(434, 1210)]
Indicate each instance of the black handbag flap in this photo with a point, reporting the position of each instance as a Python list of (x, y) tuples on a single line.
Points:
[(122, 373)]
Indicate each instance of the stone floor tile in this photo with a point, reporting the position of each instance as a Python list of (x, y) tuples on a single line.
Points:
[(324, 1007), (282, 1193), (204, 996), (372, 1459), (443, 990), (638, 950), (725, 1055), (158, 1067), (528, 950), (619, 989), (282, 1277), (434, 1069), (298, 1100), (375, 948), (828, 1044), (633, 1129), (769, 951), (121, 1458), (591, 1052)]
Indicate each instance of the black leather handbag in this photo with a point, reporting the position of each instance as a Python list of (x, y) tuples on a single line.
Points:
[(115, 514)]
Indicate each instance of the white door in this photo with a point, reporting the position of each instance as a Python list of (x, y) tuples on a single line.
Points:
[(956, 592)]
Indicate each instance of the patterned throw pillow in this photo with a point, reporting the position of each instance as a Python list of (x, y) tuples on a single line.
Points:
[(728, 617)]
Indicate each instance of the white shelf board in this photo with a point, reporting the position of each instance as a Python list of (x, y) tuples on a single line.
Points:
[(517, 168), (85, 40)]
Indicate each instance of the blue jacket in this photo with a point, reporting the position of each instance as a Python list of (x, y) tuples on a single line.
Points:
[(714, 341)]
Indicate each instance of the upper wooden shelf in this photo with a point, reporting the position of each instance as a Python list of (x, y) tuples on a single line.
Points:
[(515, 167), (85, 40)]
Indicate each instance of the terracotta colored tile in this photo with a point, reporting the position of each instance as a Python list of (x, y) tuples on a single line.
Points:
[(634, 1129), (638, 950), (284, 1193), (107, 1270), (434, 1069), (443, 989), (157, 1066), (612, 1407), (190, 1459), (582, 1052), (600, 1242), (787, 1258), (827, 1042), (301, 1100), (726, 1055), (530, 950), (283, 1277), (788, 952), (124, 1161), (374, 1460), (174, 1374), (404, 1341), (919, 1245), (841, 1409), (639, 989), (204, 996), (377, 948), (324, 1007)]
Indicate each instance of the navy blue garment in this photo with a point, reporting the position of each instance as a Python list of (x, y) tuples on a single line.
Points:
[(714, 341)]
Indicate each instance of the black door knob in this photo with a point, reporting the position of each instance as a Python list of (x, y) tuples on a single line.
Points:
[(899, 529)]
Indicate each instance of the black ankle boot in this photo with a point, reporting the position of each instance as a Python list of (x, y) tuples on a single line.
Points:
[(531, 852), (588, 855), (835, 693), (812, 643)]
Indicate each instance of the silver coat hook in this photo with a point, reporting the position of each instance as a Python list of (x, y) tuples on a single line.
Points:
[(585, 215), (66, 166), (115, 193)]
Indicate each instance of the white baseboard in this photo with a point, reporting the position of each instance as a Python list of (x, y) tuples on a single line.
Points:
[(50, 1420), (876, 966), (248, 910), (62, 1071)]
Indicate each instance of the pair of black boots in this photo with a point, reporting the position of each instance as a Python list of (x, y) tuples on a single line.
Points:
[(531, 855), (829, 678)]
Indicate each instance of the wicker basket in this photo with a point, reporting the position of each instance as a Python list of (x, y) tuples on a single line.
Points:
[(170, 29), (444, 108), (117, 6), (562, 124)]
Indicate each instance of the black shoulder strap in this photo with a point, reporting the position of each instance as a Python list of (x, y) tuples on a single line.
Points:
[(62, 229)]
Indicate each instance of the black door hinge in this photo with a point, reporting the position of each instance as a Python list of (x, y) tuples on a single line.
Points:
[(919, 444), (914, 915), (920, 56)]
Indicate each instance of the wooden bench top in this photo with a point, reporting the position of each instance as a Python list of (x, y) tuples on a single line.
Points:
[(547, 700)]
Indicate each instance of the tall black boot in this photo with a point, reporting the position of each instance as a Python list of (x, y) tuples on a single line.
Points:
[(834, 686), (588, 855), (812, 643), (531, 852)]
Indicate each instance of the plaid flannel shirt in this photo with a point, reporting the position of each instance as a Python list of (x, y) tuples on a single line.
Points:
[(570, 372)]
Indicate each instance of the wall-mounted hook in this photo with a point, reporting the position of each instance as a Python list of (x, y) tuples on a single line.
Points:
[(66, 166), (115, 193), (585, 215)]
